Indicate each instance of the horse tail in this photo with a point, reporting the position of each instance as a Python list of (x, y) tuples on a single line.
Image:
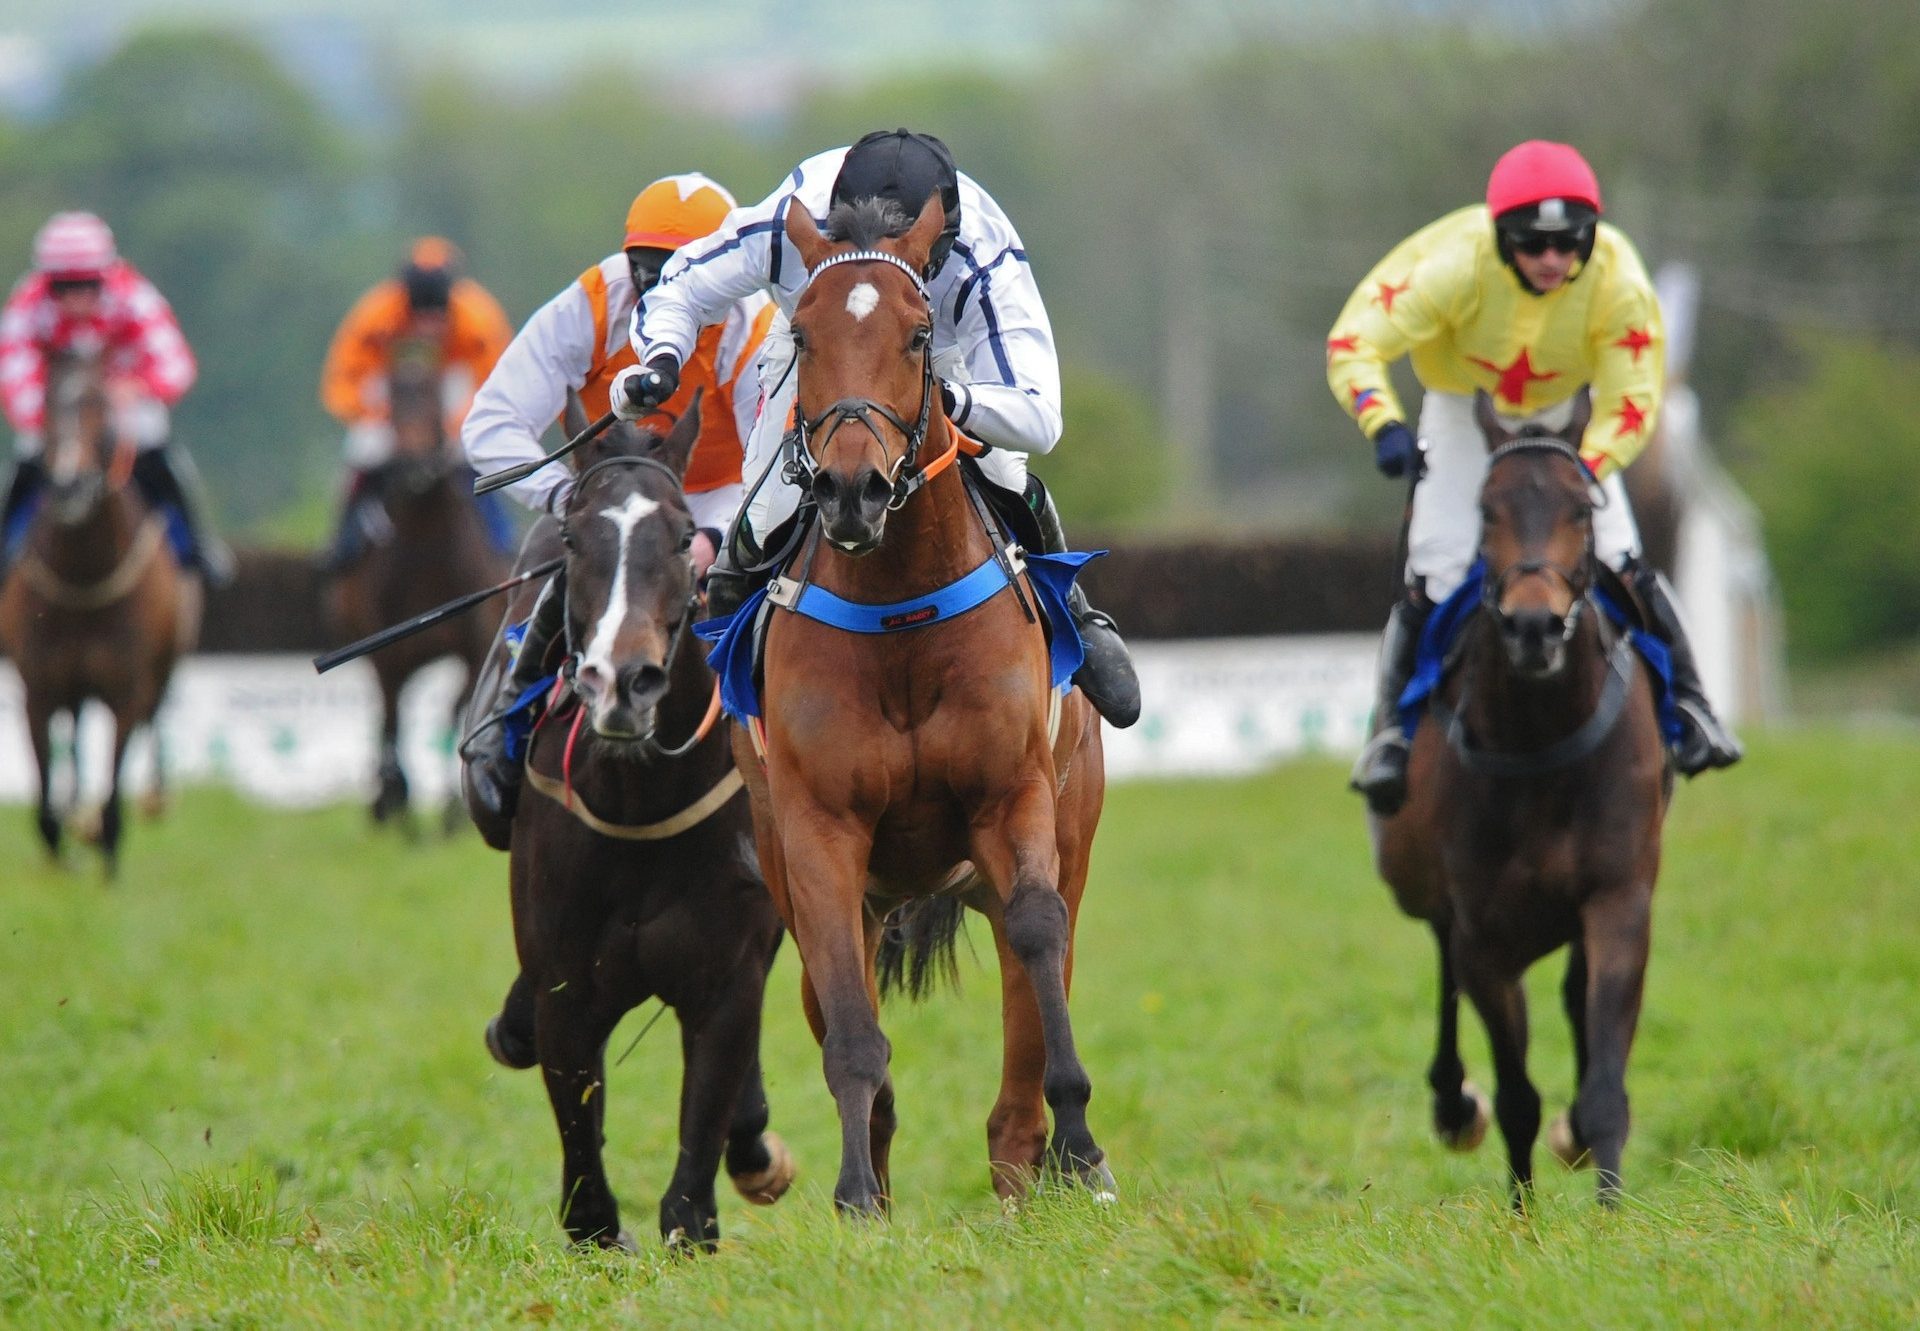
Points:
[(920, 946)]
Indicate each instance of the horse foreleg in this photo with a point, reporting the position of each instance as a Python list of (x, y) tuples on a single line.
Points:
[(110, 811), (758, 1162), (40, 731), (716, 1047), (1618, 931), (1502, 1005), (1562, 1138), (826, 874), (1460, 1109), (1017, 1127), (1016, 849), (572, 1037), (392, 798)]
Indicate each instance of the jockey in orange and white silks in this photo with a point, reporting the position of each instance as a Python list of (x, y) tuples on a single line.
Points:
[(578, 340), (993, 350), (83, 297), (1531, 297)]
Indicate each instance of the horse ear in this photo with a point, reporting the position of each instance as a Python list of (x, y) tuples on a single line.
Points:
[(804, 236), (917, 245), (574, 418), (677, 447), (1582, 416), (1488, 420)]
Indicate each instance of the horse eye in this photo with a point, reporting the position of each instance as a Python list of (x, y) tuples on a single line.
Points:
[(921, 336), (799, 340), (566, 538), (686, 541)]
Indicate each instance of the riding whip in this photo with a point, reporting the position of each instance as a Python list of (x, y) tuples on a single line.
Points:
[(497, 480), (427, 619)]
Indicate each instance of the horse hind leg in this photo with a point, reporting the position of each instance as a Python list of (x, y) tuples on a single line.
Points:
[(46, 820), (111, 820), (1017, 1125), (392, 799), (1461, 1110), (1563, 1139)]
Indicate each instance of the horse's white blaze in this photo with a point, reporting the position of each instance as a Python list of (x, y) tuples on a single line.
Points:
[(600, 646), (862, 300)]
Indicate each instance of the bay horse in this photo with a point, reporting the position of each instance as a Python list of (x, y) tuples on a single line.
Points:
[(633, 872), (96, 606), (432, 546), (1539, 783), (902, 765)]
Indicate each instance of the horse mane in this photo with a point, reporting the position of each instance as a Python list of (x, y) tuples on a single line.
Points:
[(864, 223)]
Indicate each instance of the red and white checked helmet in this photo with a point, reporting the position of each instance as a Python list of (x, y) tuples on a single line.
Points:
[(74, 245)]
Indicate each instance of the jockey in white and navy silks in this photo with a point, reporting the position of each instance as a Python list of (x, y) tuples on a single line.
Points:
[(993, 353)]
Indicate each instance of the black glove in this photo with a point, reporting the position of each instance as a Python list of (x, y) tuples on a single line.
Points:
[(1395, 450), (655, 384)]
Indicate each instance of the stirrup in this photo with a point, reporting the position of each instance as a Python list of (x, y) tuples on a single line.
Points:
[(1380, 772)]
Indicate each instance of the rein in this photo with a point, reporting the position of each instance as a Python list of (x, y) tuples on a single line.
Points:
[(115, 586)]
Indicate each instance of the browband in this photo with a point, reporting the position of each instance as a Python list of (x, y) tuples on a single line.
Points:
[(872, 256)]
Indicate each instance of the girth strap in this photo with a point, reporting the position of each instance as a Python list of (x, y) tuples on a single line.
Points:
[(1561, 753), (688, 818)]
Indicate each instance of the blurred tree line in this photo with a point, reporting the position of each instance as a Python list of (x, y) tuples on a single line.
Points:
[(1195, 224)]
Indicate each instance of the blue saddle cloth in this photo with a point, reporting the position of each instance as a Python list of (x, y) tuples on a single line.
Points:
[(732, 636), (1443, 628), (179, 534)]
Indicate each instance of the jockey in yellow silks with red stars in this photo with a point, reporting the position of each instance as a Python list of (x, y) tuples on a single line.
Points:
[(1530, 297)]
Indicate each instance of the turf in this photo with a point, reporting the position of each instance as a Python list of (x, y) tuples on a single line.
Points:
[(246, 1088)]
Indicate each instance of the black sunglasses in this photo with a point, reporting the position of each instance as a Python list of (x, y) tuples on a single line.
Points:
[(1536, 243), (64, 286)]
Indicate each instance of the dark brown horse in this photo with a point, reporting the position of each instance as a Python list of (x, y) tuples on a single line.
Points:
[(894, 762), (1539, 783), (632, 853), (96, 607), (435, 547)]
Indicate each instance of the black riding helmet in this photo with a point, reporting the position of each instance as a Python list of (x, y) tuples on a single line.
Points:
[(907, 168)]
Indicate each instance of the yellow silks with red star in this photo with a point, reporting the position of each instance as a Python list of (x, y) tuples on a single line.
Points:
[(1444, 297)]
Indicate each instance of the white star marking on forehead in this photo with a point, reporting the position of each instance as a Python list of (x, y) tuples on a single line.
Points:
[(862, 299)]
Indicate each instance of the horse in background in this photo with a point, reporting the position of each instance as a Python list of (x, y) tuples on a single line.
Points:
[(96, 607), (633, 869), (1538, 787), (429, 545)]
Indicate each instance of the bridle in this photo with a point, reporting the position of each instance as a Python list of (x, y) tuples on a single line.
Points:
[(1577, 581), (907, 476), (679, 631)]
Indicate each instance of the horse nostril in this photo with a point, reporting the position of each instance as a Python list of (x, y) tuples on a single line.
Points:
[(643, 683), (825, 488), (593, 680), (875, 489)]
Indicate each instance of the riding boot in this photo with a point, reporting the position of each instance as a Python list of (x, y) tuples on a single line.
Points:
[(363, 523), (1704, 742), (741, 565), (494, 774), (1381, 772), (28, 477), (1106, 676), (200, 550)]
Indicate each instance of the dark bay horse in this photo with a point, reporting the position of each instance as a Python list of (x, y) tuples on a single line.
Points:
[(632, 853), (895, 761), (1539, 783), (96, 606), (435, 547)]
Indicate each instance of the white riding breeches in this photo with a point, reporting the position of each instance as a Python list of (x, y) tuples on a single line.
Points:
[(715, 508), (1444, 538), (775, 500), (142, 421)]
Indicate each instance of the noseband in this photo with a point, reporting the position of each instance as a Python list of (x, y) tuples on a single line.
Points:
[(1578, 582), (907, 475)]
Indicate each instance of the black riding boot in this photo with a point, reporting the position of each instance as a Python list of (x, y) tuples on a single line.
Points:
[(1381, 772), (728, 585), (155, 474), (1106, 676), (1705, 743), (28, 476), (493, 775)]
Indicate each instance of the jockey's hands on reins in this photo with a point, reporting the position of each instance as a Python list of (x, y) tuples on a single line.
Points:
[(638, 389), (1395, 450)]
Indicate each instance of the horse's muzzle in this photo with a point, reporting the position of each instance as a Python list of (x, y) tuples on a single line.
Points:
[(621, 705), (1536, 641), (853, 512)]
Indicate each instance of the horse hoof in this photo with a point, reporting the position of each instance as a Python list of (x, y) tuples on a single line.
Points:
[(1565, 1147), (1098, 1180), (153, 804), (620, 1242), (508, 1051), (768, 1185), (86, 824), (1469, 1137)]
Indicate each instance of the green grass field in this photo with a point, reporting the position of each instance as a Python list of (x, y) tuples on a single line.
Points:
[(246, 1088)]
